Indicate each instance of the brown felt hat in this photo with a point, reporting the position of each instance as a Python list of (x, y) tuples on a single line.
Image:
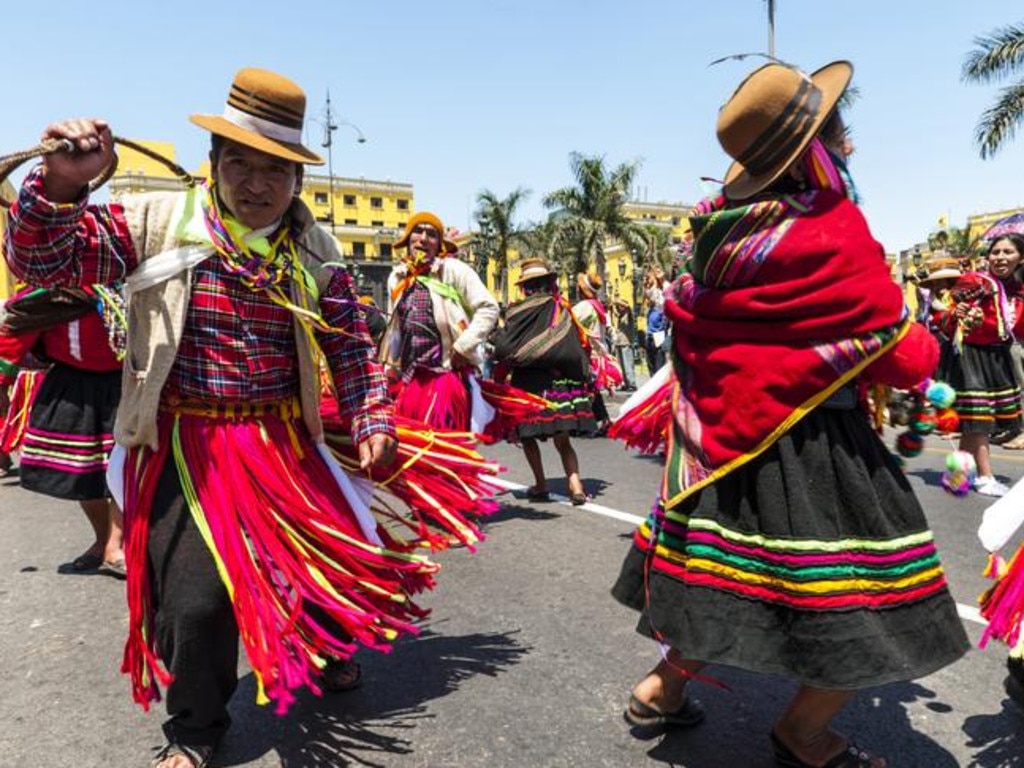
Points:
[(770, 120), (264, 111)]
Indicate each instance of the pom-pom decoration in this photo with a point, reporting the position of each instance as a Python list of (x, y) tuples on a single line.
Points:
[(909, 444), (940, 394), (960, 473), (922, 420), (947, 420)]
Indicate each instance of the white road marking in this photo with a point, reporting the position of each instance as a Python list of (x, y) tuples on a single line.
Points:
[(966, 612)]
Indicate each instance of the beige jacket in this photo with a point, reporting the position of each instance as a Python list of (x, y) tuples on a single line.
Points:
[(156, 318), (463, 325)]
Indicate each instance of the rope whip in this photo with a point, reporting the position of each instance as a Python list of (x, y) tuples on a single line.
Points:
[(50, 146)]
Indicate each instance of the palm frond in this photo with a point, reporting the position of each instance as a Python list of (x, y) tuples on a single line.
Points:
[(998, 54), (998, 123)]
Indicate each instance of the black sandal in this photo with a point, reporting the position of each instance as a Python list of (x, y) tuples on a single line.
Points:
[(532, 494), (851, 757), (641, 715), (341, 675), (198, 755)]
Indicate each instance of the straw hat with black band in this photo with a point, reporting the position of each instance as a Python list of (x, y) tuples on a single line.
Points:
[(589, 283), (532, 269), (771, 119), (430, 219), (264, 111), (942, 269)]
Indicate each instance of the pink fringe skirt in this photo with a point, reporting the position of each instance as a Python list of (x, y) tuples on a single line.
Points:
[(284, 537)]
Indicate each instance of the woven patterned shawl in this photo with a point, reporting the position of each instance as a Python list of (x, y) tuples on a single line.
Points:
[(541, 332), (787, 300)]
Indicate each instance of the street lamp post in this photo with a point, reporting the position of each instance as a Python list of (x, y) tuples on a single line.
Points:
[(329, 128)]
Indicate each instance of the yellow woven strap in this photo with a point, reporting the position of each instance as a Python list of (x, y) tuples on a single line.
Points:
[(287, 408)]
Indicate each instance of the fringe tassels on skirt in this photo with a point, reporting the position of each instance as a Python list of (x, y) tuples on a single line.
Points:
[(645, 418), (284, 538), (439, 477)]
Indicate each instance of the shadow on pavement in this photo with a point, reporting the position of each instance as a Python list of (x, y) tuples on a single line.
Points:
[(736, 731), (998, 738), (366, 726)]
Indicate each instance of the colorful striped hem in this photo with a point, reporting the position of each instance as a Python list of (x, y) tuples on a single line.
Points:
[(805, 573)]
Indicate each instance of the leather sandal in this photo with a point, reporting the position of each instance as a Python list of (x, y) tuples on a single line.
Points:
[(532, 494), (341, 675), (199, 755), (851, 757), (640, 715)]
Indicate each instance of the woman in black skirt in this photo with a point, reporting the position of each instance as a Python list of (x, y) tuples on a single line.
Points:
[(69, 436), (542, 343), (977, 319), (786, 539)]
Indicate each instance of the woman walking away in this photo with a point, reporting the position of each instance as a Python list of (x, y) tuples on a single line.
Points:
[(542, 343), (786, 539)]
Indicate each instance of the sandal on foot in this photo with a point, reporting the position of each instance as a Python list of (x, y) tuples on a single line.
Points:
[(199, 755), (851, 757), (117, 569), (86, 562), (532, 494), (340, 675), (578, 499), (642, 715)]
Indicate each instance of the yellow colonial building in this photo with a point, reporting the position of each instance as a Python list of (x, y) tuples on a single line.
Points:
[(7, 193), (366, 216)]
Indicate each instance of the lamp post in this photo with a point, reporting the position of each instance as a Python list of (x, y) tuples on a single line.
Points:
[(329, 128)]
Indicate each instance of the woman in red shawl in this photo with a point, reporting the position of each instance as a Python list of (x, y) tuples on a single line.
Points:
[(786, 540)]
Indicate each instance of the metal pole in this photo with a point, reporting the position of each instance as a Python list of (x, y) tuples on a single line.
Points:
[(329, 129), (771, 28)]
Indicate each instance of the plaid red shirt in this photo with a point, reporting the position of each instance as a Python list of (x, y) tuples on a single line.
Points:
[(237, 344), (421, 341)]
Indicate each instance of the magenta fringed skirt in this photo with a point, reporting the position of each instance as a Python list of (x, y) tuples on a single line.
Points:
[(284, 537), (439, 399)]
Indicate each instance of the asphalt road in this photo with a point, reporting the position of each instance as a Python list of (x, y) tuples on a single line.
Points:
[(525, 660)]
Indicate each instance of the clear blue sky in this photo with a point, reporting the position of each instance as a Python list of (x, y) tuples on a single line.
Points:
[(457, 96)]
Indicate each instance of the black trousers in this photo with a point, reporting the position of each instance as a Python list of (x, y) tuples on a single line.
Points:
[(197, 636)]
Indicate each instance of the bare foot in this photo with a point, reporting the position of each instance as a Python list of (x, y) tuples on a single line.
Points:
[(175, 761)]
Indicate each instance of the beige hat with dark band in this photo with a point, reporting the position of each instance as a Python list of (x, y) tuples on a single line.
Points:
[(533, 268), (771, 119), (264, 111)]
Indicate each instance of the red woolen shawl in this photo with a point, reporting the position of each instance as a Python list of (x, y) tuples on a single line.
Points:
[(787, 300)]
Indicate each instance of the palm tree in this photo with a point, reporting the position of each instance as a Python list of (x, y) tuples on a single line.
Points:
[(495, 217), (999, 55), (589, 215)]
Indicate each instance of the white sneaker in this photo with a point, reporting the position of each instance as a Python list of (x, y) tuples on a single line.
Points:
[(989, 486)]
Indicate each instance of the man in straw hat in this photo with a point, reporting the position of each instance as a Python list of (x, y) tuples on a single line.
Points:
[(238, 521), (441, 314), (785, 539)]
